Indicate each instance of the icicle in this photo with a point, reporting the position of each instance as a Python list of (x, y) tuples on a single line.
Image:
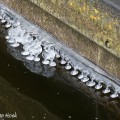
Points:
[(99, 85), (84, 73), (15, 44), (107, 89), (115, 94), (85, 79), (49, 56), (8, 25), (74, 72), (57, 54), (68, 66), (92, 82)]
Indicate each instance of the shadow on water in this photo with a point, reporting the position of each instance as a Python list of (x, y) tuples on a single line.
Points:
[(39, 92)]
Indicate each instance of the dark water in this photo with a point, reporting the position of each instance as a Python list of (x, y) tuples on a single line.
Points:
[(35, 91)]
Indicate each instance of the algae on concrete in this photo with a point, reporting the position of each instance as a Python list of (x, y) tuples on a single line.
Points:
[(95, 19)]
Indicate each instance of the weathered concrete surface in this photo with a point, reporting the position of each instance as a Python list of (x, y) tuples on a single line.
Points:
[(88, 48), (93, 18)]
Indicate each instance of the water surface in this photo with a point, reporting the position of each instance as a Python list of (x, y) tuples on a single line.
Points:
[(36, 91)]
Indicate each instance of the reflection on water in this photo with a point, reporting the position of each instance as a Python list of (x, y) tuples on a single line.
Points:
[(36, 91), (35, 67)]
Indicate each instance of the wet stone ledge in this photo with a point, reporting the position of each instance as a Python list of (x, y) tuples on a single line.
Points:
[(36, 43), (68, 35)]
